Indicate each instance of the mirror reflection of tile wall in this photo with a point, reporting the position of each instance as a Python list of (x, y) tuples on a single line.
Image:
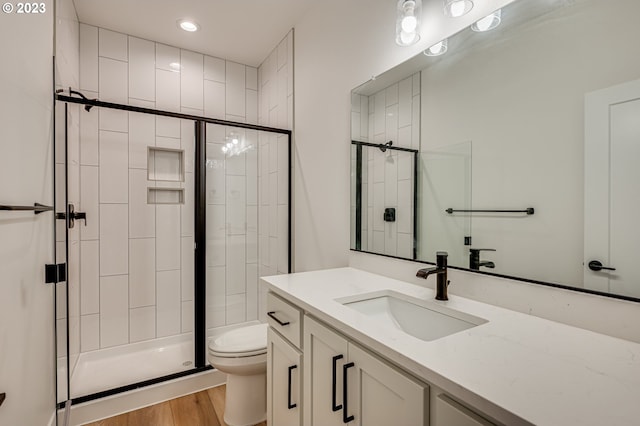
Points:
[(391, 114)]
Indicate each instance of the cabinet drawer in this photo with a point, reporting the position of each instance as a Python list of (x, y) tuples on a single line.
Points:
[(450, 412), (284, 318)]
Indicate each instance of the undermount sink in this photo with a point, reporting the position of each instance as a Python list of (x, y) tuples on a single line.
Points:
[(425, 320)]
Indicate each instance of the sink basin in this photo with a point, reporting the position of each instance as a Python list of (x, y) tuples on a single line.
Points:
[(425, 320)]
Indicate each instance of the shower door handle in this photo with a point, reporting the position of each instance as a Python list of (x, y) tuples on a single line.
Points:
[(71, 216)]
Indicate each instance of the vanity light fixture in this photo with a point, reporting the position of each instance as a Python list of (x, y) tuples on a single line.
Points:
[(408, 17), (457, 8), (489, 22), (437, 49), (188, 25)]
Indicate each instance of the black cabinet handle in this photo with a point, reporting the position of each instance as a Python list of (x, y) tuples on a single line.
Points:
[(596, 265), (289, 404), (272, 314), (334, 406), (345, 418)]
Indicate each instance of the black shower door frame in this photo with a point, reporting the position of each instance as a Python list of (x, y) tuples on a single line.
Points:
[(200, 224)]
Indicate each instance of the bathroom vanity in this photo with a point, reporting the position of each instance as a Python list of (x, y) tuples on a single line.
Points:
[(348, 346)]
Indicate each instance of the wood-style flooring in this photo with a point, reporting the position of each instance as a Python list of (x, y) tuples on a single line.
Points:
[(205, 408)]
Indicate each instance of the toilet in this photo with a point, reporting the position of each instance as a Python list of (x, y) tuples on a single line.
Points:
[(242, 354)]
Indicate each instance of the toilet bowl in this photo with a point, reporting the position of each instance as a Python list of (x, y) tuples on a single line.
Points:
[(242, 354)]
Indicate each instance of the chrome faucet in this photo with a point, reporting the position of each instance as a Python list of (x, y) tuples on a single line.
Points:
[(441, 271)]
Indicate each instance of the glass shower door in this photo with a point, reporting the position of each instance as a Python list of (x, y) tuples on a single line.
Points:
[(129, 315)]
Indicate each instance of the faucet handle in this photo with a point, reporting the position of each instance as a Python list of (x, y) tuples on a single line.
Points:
[(478, 250)]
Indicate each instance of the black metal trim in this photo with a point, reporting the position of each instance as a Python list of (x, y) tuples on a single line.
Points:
[(528, 210), (289, 404), (272, 314), (358, 197), (290, 200), (526, 280), (334, 384), (133, 386), (37, 208), (200, 239), (416, 165), (110, 105), (345, 417), (377, 145), (66, 242)]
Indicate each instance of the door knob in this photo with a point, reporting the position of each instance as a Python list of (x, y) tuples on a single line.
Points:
[(596, 265)]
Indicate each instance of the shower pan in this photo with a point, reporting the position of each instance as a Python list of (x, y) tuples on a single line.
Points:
[(164, 221)]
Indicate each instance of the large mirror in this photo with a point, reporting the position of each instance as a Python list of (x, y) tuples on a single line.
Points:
[(528, 145)]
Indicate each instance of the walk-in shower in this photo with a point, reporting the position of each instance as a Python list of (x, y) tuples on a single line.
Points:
[(175, 216)]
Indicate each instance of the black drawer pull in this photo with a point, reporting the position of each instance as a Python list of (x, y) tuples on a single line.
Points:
[(345, 418), (272, 314), (289, 404), (334, 385)]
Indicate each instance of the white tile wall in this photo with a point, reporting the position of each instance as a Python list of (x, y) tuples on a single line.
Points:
[(89, 332), (142, 323), (137, 259), (168, 304), (167, 237), (114, 311), (114, 167), (112, 45), (114, 239), (142, 272), (89, 277), (191, 79), (142, 69)]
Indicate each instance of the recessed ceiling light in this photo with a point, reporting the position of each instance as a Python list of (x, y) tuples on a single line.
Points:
[(188, 25)]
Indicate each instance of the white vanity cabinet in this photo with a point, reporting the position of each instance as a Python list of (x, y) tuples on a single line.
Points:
[(376, 393), (284, 363)]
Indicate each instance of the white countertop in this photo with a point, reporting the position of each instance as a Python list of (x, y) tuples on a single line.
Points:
[(516, 368)]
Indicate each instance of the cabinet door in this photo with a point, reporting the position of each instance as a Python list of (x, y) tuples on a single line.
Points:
[(284, 382), (325, 353), (378, 394)]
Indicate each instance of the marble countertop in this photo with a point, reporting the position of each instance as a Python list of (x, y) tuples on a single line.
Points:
[(517, 368)]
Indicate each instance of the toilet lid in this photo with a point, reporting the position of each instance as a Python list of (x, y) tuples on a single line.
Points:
[(250, 339)]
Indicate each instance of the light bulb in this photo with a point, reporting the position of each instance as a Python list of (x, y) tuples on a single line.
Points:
[(488, 22), (409, 24), (225, 149), (234, 141), (437, 49), (188, 25), (457, 8)]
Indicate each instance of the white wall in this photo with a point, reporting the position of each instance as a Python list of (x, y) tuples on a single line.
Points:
[(339, 45), (275, 98), (27, 368)]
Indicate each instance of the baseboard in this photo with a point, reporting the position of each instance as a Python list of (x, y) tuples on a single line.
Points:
[(128, 401)]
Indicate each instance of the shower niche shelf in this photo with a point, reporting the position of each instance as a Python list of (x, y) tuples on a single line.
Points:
[(165, 164), (165, 195)]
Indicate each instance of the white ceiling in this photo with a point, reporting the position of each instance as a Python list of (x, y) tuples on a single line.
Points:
[(244, 31)]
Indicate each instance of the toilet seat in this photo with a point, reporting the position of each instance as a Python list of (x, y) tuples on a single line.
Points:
[(241, 342)]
